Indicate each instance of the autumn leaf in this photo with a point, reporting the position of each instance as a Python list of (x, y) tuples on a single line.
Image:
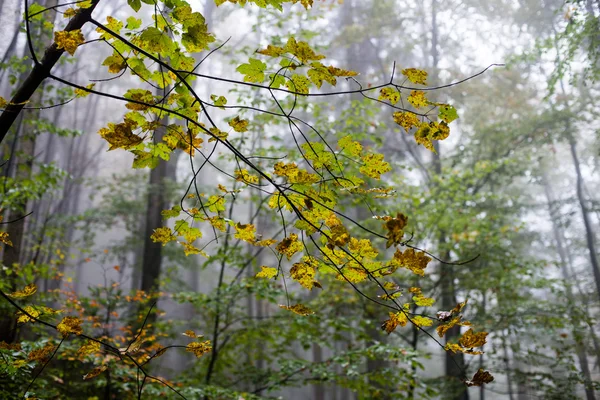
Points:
[(350, 146), (41, 355), (304, 273), (395, 227), (26, 292), (199, 348), (481, 377), (68, 40), (412, 260), (239, 125), (245, 232), (390, 94), (290, 246), (407, 120), (95, 372), (163, 235), (190, 333), (447, 113), (421, 321), (70, 325), (415, 75), (89, 347), (374, 166), (298, 84), (471, 339), (83, 93), (397, 318), (299, 309), (267, 272), (242, 175), (417, 99)]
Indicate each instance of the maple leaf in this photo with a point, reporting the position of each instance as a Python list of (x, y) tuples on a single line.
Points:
[(120, 135), (412, 260), (304, 274), (95, 372), (83, 93), (421, 321), (26, 292), (471, 339), (68, 40), (299, 309), (245, 232), (374, 166), (350, 146), (216, 203), (70, 325), (397, 318), (239, 125), (115, 63), (415, 75), (41, 355), (338, 235), (89, 347), (302, 50), (267, 272), (481, 377), (417, 98), (395, 227), (406, 119), (253, 71), (390, 94), (273, 51), (242, 175), (290, 246), (199, 348), (298, 84), (163, 235), (447, 113), (190, 333)]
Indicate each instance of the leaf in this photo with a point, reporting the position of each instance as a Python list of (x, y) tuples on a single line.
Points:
[(135, 4), (374, 166), (68, 40), (246, 232), (26, 292), (417, 99), (199, 349), (216, 203), (447, 113), (299, 309), (70, 325), (120, 135), (390, 94), (302, 51), (253, 71), (267, 272), (191, 334), (242, 175), (41, 355), (397, 318), (395, 227), (421, 321), (412, 260), (423, 301), (88, 348), (415, 75), (350, 146), (95, 372), (406, 119), (219, 101), (304, 273), (290, 246), (163, 235), (471, 339), (481, 377), (154, 40), (298, 84), (115, 63), (239, 125), (84, 93)]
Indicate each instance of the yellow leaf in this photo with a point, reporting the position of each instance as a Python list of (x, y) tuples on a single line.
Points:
[(423, 301), (390, 94), (398, 318), (299, 309), (89, 347), (471, 339), (26, 292), (69, 41), (199, 349), (350, 146), (22, 317), (95, 372), (70, 12), (417, 99), (242, 175), (70, 325), (41, 355), (304, 273), (415, 75), (239, 125), (406, 120), (374, 166), (395, 227), (245, 232), (421, 321), (416, 262), (267, 272), (190, 333), (83, 93), (163, 235), (120, 135), (3, 102), (290, 246)]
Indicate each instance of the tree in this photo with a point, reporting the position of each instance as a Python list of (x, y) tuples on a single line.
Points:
[(307, 188)]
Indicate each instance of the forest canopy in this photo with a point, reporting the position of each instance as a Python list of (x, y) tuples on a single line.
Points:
[(299, 199)]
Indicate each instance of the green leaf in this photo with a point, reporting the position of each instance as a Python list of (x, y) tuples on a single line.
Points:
[(447, 113), (135, 4), (253, 71)]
